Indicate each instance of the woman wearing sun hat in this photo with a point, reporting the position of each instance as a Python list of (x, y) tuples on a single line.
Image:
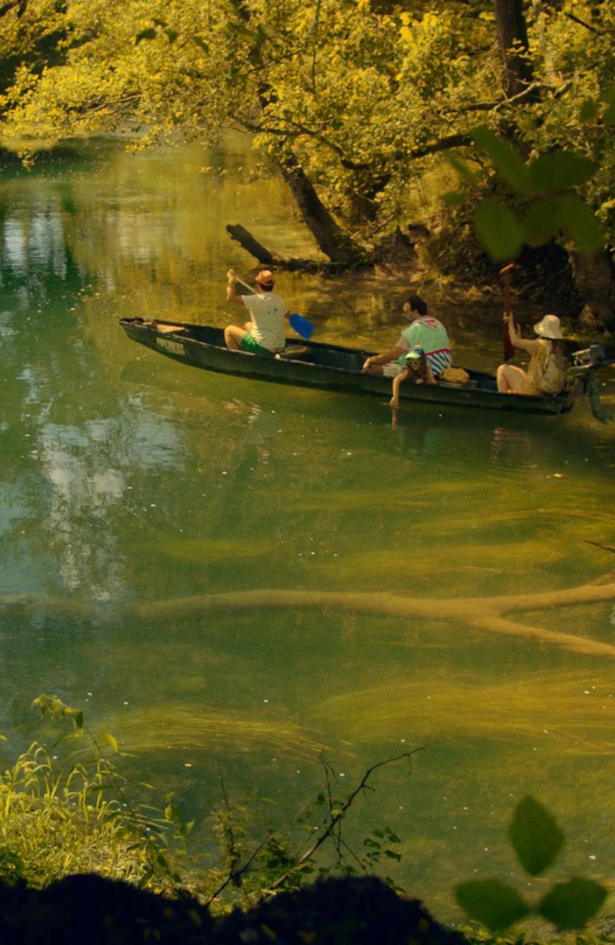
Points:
[(548, 368)]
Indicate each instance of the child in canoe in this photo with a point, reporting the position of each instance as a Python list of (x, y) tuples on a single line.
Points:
[(416, 370)]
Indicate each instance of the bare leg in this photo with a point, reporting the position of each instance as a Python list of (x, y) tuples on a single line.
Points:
[(510, 379), (233, 336)]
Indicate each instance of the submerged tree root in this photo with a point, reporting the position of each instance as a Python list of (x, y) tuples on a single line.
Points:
[(483, 613)]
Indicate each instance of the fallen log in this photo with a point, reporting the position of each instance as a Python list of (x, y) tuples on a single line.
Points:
[(251, 245), (267, 257), (482, 613)]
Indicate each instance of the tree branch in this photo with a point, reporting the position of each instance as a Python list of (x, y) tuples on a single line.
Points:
[(337, 815), (483, 612)]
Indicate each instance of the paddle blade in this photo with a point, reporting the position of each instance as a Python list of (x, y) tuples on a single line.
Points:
[(301, 325)]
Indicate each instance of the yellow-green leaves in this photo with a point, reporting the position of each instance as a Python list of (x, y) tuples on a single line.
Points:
[(58, 709), (545, 203)]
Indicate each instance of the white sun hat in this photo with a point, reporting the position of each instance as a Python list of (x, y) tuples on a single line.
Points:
[(549, 328)]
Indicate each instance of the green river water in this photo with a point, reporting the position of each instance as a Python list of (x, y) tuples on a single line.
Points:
[(129, 483)]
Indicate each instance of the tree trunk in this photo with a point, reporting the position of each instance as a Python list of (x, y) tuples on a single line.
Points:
[(595, 280), (330, 238), (514, 46)]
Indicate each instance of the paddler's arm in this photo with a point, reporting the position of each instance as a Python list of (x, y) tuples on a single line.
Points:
[(525, 343), (383, 358), (397, 382), (231, 289)]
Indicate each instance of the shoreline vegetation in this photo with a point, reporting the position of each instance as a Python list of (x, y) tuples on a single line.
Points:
[(71, 833)]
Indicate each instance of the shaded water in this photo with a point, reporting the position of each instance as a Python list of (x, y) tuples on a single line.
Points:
[(131, 485)]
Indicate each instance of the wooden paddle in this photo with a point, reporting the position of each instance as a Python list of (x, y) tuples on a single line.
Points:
[(300, 324), (509, 349)]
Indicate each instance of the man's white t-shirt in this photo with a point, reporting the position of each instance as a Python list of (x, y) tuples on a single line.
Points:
[(267, 311)]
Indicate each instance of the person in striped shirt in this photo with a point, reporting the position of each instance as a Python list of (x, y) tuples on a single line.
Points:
[(423, 330)]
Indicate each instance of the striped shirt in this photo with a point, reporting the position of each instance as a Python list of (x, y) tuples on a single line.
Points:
[(432, 336)]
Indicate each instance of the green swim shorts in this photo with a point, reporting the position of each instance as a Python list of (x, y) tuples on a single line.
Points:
[(248, 343)]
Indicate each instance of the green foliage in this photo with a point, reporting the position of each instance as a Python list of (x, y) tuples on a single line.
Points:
[(367, 95), (545, 201), (58, 818), (537, 840)]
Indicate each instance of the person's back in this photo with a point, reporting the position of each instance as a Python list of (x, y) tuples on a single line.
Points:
[(431, 335), (426, 332)]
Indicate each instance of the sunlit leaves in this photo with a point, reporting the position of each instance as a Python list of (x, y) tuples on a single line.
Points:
[(57, 709), (111, 740)]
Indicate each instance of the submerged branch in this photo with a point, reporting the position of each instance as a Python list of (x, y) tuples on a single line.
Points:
[(480, 612), (487, 613)]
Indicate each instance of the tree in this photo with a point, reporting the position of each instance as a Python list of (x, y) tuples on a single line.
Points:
[(353, 99)]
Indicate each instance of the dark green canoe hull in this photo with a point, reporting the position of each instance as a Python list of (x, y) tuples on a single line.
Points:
[(329, 367)]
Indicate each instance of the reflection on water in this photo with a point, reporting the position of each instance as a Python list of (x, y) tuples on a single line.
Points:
[(127, 480)]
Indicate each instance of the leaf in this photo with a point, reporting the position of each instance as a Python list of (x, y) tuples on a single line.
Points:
[(491, 902), (453, 198), (588, 110), (535, 836), (541, 223), (150, 33), (392, 855), (498, 229), (580, 223), (506, 160), (560, 170), (462, 169), (111, 740), (609, 116), (571, 905), (77, 716)]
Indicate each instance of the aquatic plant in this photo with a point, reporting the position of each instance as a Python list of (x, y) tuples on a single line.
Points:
[(568, 712), (172, 727)]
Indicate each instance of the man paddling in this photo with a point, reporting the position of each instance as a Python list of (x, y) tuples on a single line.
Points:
[(264, 333), (425, 331)]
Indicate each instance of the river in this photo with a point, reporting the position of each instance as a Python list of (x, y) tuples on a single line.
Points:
[(131, 485)]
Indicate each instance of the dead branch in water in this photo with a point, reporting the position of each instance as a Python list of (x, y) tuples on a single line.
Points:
[(483, 613)]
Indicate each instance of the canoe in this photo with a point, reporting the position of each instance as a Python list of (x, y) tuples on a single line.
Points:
[(331, 367)]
